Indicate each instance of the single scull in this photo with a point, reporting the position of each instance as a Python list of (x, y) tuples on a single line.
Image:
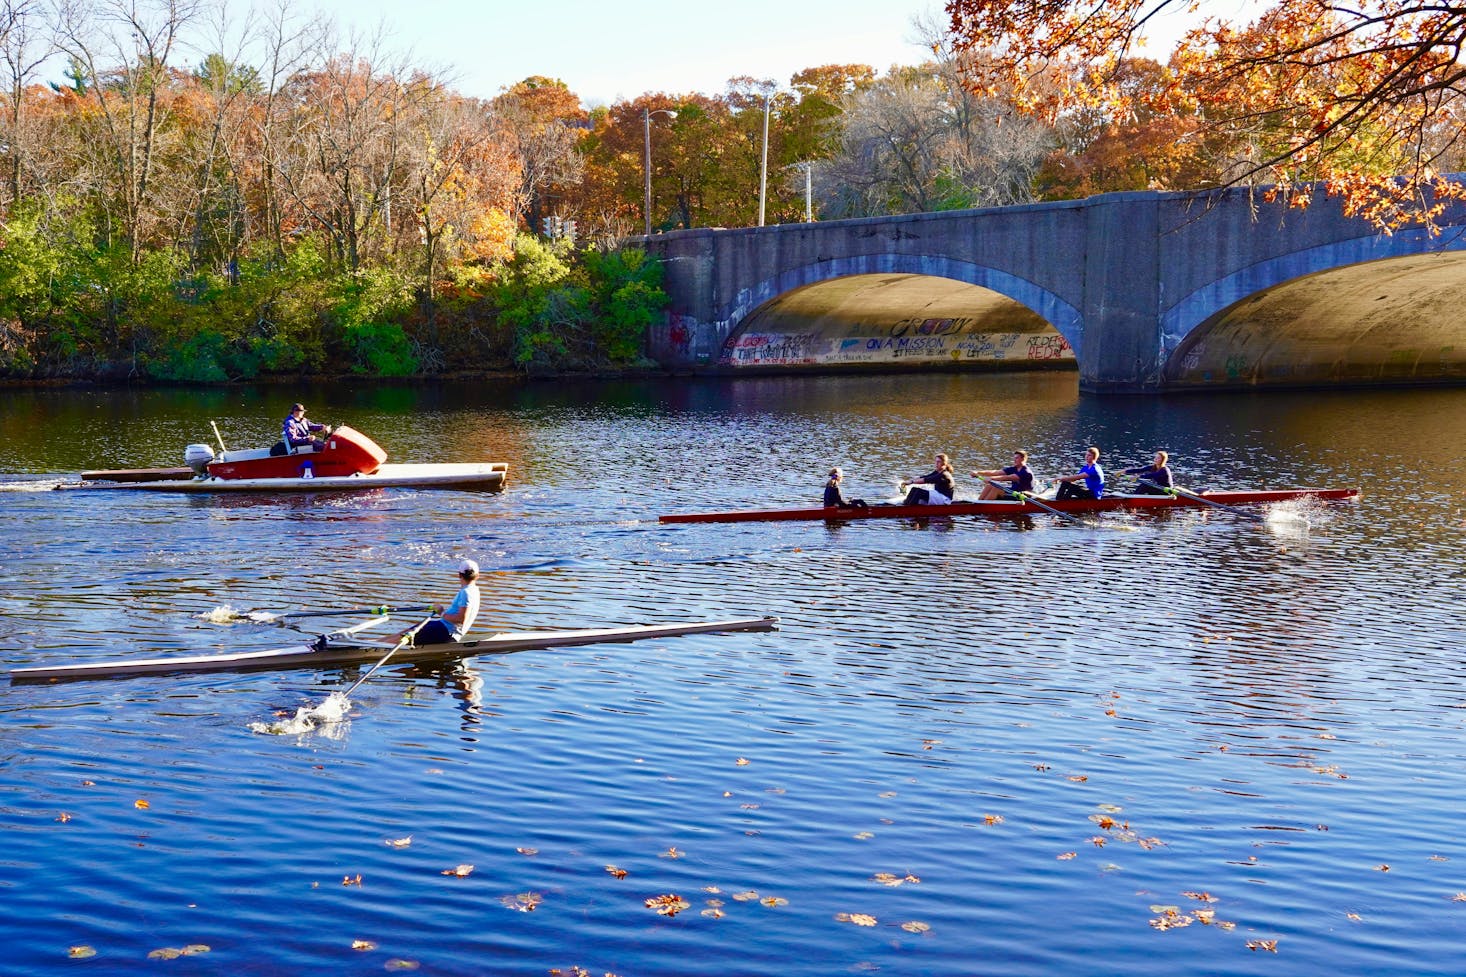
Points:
[(352, 650)]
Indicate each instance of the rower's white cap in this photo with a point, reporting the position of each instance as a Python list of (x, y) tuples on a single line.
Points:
[(468, 566)]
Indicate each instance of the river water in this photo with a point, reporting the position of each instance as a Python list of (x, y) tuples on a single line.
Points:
[(1183, 743)]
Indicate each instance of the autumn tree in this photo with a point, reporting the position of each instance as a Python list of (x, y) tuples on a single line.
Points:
[(542, 122), (1359, 98)]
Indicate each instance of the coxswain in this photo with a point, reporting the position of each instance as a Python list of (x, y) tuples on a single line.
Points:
[(300, 433), (939, 486), (1017, 475), (834, 498), (1092, 475), (1155, 477)]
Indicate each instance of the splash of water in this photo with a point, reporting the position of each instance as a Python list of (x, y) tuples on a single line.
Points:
[(219, 615), (329, 712)]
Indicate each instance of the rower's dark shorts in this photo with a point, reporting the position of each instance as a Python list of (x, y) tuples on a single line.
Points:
[(435, 632)]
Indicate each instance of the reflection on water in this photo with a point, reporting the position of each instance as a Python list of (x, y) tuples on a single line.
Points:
[(1025, 743)]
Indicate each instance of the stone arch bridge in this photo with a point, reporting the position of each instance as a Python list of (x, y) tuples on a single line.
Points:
[(1140, 291)]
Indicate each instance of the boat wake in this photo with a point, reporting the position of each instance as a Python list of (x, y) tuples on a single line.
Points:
[(328, 713), (30, 485), (1297, 516), (225, 614)]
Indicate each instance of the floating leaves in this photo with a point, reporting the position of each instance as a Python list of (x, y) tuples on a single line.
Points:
[(774, 902), (460, 871), (1066, 856), (859, 919), (915, 926), (668, 905), (1200, 896), (887, 878), (363, 945), (523, 902), (397, 963), (173, 953), (528, 852), (742, 762), (399, 842), (1171, 917), (673, 852), (992, 819), (615, 873), (863, 835), (63, 817), (81, 952), (1271, 946), (748, 896), (141, 804), (351, 879)]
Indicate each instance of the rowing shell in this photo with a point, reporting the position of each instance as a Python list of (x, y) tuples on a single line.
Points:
[(1012, 507), (360, 651)]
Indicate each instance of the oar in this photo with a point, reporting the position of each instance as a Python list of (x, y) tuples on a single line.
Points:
[(402, 643), (264, 617), (1173, 491), (1025, 497)]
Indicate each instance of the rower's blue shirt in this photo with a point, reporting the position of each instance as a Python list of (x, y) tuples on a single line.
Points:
[(299, 432), (1024, 481), (1094, 479), (466, 600)]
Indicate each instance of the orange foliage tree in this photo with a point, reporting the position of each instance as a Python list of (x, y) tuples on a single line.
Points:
[(1359, 100)]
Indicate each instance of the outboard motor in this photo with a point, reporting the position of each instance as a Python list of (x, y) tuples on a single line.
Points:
[(197, 457)]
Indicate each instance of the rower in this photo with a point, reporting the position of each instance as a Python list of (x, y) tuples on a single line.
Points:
[(1017, 475), (453, 621), (835, 499), (1091, 474), (941, 487), (1157, 474), (300, 433)]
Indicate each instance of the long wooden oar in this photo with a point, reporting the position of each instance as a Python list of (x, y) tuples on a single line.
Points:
[(1025, 497), (1187, 493), (403, 642)]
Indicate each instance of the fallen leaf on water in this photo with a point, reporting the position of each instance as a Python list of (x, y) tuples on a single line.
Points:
[(1078, 778), (741, 762), (351, 880), (862, 919), (400, 842), (459, 870), (864, 835), (1271, 946), (81, 952), (748, 896), (992, 819), (165, 953), (1200, 896), (397, 963), (886, 878), (714, 913), (712, 890), (1103, 820), (363, 945), (667, 905), (524, 902), (195, 948), (1439, 858), (1098, 841), (773, 902), (528, 851), (673, 852), (1041, 767), (916, 927), (887, 793), (141, 804), (749, 807), (1109, 712), (1067, 855), (715, 903), (63, 817), (1205, 916), (89, 783), (616, 873), (1352, 916), (1382, 868)]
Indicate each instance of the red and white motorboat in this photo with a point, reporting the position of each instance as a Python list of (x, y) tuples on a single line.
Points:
[(346, 461)]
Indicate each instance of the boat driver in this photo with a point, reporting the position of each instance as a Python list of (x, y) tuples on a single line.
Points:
[(300, 433)]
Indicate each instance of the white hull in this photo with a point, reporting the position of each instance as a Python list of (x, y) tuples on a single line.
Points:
[(450, 476), (363, 652)]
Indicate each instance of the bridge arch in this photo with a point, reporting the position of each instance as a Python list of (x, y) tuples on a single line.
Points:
[(1367, 309), (883, 309)]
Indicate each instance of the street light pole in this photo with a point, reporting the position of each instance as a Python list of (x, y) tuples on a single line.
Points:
[(763, 168), (646, 163)]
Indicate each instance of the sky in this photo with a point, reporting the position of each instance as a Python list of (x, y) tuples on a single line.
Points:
[(607, 51)]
